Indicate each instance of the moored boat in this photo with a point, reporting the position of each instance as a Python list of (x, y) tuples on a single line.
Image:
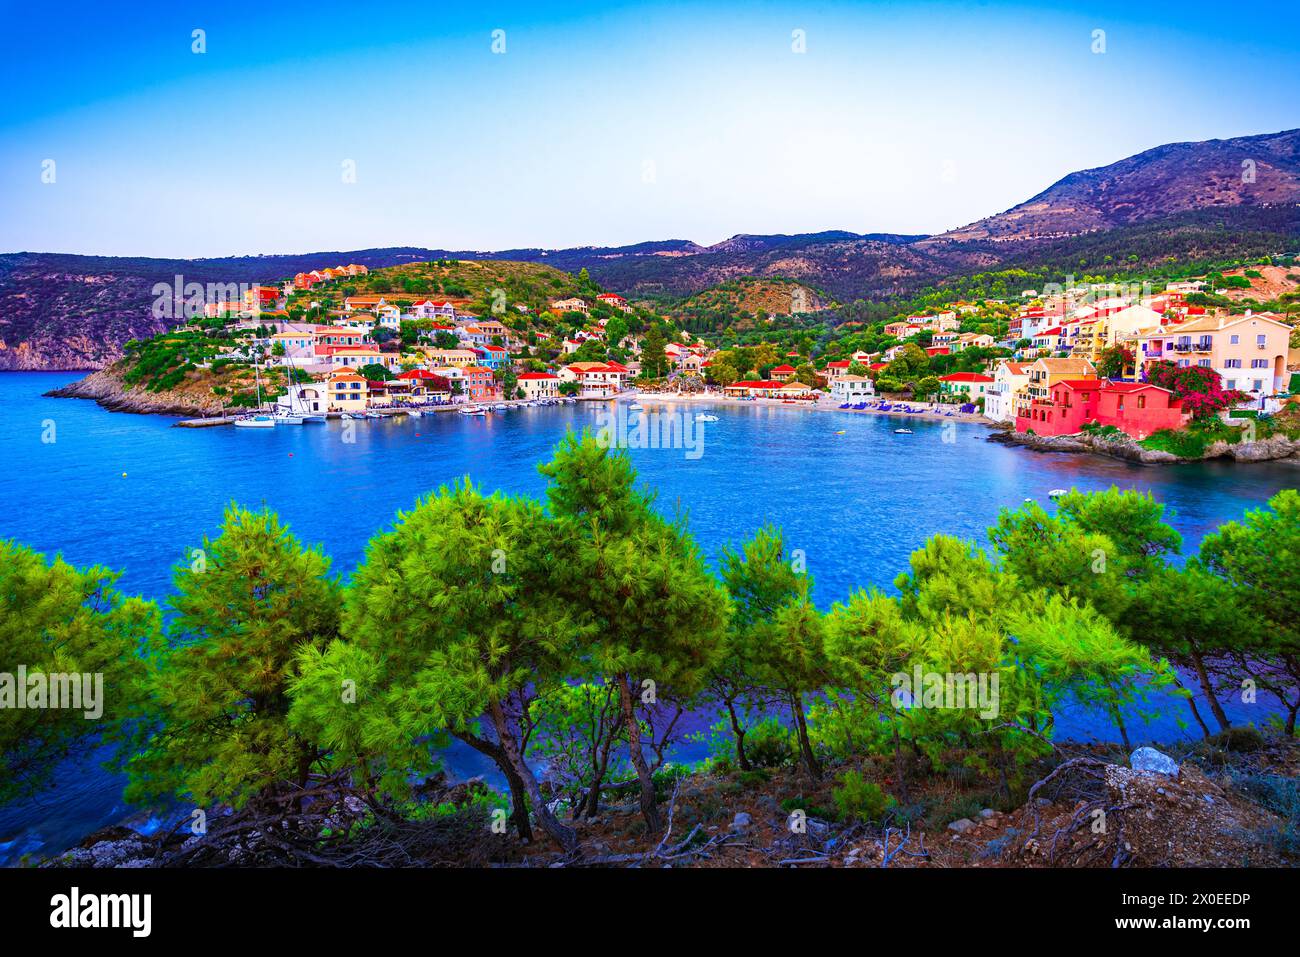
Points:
[(256, 422)]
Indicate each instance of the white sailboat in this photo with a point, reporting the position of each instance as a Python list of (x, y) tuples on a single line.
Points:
[(259, 420), (290, 416)]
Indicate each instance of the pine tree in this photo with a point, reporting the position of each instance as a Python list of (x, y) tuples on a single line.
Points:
[(59, 620), (1260, 557), (778, 627), (246, 602), (654, 615), (654, 361), (452, 615)]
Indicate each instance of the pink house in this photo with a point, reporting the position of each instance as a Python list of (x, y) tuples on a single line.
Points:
[(1136, 408)]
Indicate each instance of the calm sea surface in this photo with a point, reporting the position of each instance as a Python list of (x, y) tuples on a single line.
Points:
[(134, 493)]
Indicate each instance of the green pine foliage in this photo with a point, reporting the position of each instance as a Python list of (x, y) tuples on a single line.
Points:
[(58, 620), (576, 632), (246, 603)]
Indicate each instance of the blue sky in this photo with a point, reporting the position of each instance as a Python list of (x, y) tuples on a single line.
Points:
[(599, 124)]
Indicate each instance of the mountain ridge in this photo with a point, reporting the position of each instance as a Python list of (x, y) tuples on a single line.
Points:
[(1194, 199)]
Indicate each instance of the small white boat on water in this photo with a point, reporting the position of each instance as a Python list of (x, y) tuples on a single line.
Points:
[(706, 417), (286, 418), (255, 422), (902, 431), (500, 407), (473, 411), (636, 407), (1057, 493), (313, 418), (414, 413)]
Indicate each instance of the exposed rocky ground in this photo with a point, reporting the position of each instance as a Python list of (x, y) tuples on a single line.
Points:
[(1229, 802), (191, 398), (1274, 448)]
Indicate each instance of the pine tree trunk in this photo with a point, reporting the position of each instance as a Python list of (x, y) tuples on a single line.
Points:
[(1292, 666), (564, 836), (518, 794), (591, 807), (1196, 713), (1198, 664), (649, 807), (900, 769), (742, 760), (805, 746)]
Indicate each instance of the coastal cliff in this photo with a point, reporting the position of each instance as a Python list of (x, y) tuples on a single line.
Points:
[(107, 387), (1273, 448)]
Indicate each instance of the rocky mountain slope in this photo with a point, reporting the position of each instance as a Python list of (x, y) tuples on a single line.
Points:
[(1191, 201), (1160, 182)]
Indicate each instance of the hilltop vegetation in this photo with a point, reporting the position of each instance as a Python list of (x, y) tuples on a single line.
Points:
[(747, 303), (473, 281)]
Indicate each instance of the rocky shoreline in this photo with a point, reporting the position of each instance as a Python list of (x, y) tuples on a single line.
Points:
[(1273, 449), (106, 387)]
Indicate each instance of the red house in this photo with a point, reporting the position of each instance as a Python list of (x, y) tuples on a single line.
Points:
[(1136, 408)]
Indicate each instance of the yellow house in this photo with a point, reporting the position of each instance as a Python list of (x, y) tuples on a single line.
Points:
[(1249, 352), (460, 358), (348, 392)]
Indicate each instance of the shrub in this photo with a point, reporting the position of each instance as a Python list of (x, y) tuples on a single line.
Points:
[(1281, 795), (754, 779), (769, 744), (859, 800), (801, 803)]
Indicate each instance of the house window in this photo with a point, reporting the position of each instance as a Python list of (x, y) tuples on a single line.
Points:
[(1235, 339), (1261, 341), (1142, 402), (1259, 363), (1232, 364), (1204, 362), (1259, 385)]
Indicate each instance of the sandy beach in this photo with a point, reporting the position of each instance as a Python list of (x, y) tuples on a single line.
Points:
[(931, 411)]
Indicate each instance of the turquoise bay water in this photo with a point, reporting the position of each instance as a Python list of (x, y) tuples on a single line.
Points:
[(134, 493)]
